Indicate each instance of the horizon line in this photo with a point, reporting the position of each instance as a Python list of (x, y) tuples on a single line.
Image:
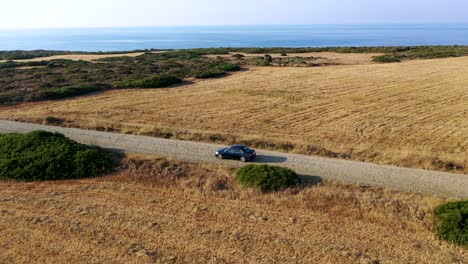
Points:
[(242, 25)]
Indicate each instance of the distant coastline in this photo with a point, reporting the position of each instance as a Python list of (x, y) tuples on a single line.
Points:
[(123, 39)]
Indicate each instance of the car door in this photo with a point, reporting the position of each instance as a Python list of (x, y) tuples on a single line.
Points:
[(236, 153), (229, 153)]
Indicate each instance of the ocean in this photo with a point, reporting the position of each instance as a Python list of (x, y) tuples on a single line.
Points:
[(122, 39)]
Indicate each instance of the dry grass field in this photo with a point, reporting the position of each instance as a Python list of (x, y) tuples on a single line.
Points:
[(155, 210), (411, 114), (333, 58)]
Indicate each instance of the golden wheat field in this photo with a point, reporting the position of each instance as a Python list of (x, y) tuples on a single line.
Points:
[(411, 114), (157, 211)]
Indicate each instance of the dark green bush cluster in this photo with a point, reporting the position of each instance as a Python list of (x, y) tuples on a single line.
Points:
[(452, 222), (237, 56), (229, 67), (13, 64), (41, 155), (210, 74), (159, 81), (267, 178), (51, 120), (28, 54), (60, 93), (386, 59)]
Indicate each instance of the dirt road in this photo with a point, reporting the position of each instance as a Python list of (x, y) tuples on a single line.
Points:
[(312, 168)]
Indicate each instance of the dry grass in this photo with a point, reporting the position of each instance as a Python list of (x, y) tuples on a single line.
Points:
[(332, 58), (155, 210), (411, 114)]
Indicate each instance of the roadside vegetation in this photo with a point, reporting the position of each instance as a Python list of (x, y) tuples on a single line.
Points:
[(267, 178), (452, 222), (41, 156)]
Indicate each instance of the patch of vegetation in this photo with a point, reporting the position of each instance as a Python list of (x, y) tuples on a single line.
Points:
[(29, 54), (210, 74), (41, 155), (65, 78), (60, 93), (238, 56), (51, 120), (263, 63), (452, 222), (229, 67), (13, 64), (386, 59), (159, 81), (267, 178)]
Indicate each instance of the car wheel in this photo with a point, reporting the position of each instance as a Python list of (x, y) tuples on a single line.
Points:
[(220, 156), (243, 159)]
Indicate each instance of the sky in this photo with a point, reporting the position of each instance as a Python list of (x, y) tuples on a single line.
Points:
[(128, 13)]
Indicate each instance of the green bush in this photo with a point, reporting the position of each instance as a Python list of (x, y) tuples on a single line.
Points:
[(386, 59), (229, 67), (60, 93), (238, 56), (452, 222), (159, 81), (210, 74), (263, 63), (51, 120), (267, 178), (42, 155)]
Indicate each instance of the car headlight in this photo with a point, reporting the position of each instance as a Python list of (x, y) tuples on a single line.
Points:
[(217, 153)]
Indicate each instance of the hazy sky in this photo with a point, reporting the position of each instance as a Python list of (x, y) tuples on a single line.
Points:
[(109, 13)]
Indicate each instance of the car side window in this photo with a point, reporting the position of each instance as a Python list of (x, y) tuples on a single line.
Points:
[(236, 150)]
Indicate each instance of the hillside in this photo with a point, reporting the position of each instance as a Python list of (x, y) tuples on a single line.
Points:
[(408, 114)]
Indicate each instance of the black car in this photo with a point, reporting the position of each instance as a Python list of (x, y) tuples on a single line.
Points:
[(239, 152)]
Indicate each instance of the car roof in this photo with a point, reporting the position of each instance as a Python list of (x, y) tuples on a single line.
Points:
[(238, 146)]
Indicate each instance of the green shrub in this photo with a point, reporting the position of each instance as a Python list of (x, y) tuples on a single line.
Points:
[(267, 178), (386, 59), (42, 155), (238, 56), (452, 222), (51, 120), (229, 67), (268, 58), (210, 74), (263, 63), (60, 93), (159, 81)]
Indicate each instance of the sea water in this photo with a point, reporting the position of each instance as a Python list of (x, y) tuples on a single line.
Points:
[(122, 39)]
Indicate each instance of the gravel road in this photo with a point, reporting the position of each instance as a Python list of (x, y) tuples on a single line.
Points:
[(311, 168)]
